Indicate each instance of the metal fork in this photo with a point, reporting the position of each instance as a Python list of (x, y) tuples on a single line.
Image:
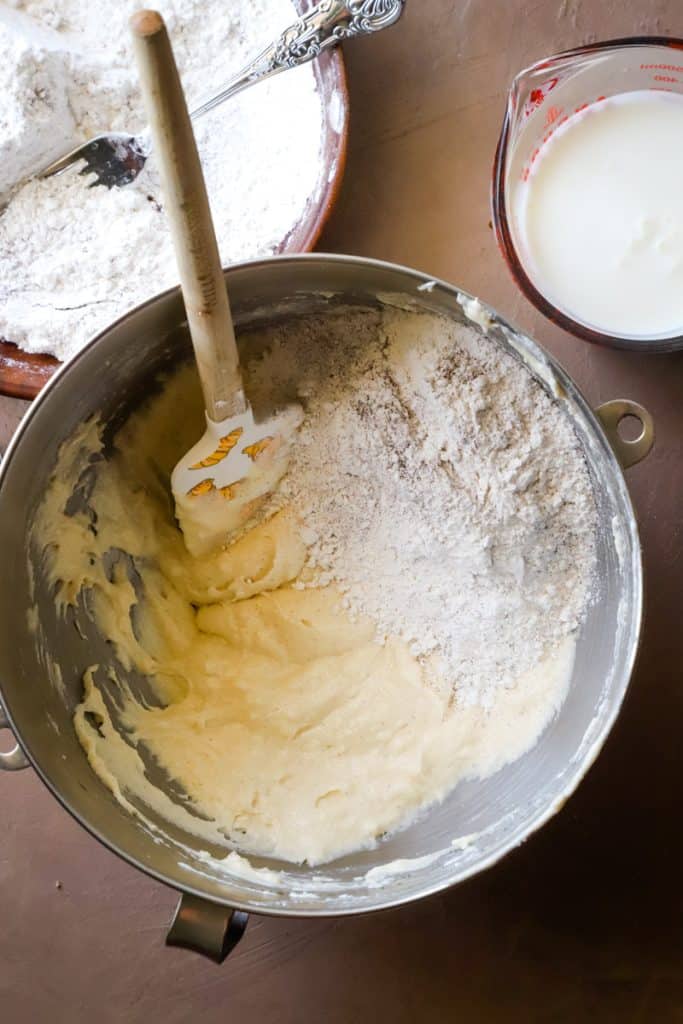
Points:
[(116, 159)]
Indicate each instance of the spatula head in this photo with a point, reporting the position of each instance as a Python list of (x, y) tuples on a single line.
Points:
[(220, 485)]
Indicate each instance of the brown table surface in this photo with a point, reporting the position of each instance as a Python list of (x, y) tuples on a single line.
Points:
[(584, 921)]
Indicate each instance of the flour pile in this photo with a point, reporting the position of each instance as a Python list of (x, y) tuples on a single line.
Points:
[(446, 498), (73, 259)]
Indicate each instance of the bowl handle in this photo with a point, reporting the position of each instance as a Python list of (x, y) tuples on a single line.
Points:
[(14, 759), (611, 414), (206, 928)]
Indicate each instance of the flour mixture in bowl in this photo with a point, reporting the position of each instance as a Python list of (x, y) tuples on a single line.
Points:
[(402, 617)]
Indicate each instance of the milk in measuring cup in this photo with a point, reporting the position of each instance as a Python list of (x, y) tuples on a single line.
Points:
[(598, 222)]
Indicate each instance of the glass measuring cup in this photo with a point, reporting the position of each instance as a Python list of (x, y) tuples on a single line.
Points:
[(543, 97)]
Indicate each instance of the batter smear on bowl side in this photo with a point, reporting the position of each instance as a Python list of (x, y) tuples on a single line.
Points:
[(403, 615)]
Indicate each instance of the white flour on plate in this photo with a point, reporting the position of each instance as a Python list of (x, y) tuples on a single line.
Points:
[(72, 259)]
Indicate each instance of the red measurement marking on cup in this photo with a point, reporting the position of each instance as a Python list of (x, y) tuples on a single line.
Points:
[(554, 118), (553, 115), (662, 67), (673, 72), (538, 95)]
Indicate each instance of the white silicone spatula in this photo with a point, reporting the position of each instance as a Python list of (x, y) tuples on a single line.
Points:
[(220, 483)]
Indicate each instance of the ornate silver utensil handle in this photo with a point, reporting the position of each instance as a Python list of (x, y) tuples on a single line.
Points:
[(330, 22)]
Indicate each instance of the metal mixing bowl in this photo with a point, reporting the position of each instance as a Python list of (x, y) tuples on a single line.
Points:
[(481, 820)]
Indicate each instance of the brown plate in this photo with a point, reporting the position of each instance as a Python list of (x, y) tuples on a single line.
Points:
[(23, 374)]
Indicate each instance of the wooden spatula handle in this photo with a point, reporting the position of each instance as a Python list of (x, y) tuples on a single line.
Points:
[(187, 207)]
